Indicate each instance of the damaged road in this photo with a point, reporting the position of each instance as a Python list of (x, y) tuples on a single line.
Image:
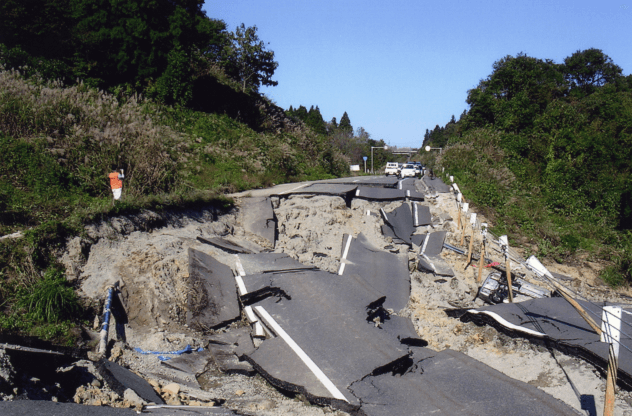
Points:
[(304, 289)]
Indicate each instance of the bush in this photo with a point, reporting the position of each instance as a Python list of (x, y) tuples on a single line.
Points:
[(51, 299)]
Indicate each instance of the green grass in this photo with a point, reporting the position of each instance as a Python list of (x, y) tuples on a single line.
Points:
[(57, 145)]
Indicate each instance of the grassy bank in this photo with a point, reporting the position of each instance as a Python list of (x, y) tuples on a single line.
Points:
[(58, 144)]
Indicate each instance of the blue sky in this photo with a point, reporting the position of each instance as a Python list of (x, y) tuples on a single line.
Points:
[(401, 67)]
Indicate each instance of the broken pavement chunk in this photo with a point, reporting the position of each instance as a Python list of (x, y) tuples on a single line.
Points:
[(227, 348), (322, 307), (384, 272), (259, 218), (401, 221), (430, 255), (436, 185), (451, 383), (556, 320), (212, 300), (120, 379), (271, 263), (224, 245), (421, 215)]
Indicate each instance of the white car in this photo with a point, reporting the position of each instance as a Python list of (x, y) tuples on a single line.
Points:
[(392, 168), (408, 171)]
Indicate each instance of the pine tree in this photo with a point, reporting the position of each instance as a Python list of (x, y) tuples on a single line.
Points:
[(345, 124)]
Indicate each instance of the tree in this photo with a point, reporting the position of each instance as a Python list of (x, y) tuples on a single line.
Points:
[(130, 42), (345, 124), (248, 61), (315, 121), (590, 68)]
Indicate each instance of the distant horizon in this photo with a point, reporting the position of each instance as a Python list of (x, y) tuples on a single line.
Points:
[(400, 68)]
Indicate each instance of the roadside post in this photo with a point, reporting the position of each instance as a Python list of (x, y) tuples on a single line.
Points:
[(465, 207), (611, 333), (481, 262), (365, 158), (504, 244), (459, 196), (469, 252)]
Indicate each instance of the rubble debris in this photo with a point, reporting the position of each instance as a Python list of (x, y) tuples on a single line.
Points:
[(451, 383), (385, 273), (494, 289), (212, 300), (555, 320), (224, 244), (430, 255), (259, 218), (120, 379)]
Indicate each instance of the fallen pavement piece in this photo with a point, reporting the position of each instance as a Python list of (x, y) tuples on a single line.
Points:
[(421, 215), (436, 185), (401, 221), (383, 194), (212, 300), (430, 255), (556, 320), (227, 348), (120, 379), (387, 231), (259, 218), (42, 407), (193, 363), (384, 272), (377, 182), (271, 262), (451, 383), (224, 245), (329, 319)]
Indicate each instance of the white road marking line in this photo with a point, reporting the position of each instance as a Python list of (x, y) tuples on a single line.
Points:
[(416, 208), (329, 385), (384, 213), (341, 269), (346, 250), (294, 189), (508, 324)]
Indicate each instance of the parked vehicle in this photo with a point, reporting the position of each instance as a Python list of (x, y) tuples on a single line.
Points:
[(408, 171), (392, 168)]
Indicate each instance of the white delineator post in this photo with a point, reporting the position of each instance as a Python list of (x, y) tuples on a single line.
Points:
[(465, 207), (469, 252), (459, 197), (481, 262), (611, 333), (504, 244)]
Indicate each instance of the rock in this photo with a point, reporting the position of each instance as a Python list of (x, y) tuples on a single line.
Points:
[(174, 401), (133, 399), (239, 392), (173, 389), (6, 371), (96, 383)]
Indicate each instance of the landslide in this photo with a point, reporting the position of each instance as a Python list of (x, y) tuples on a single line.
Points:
[(58, 144)]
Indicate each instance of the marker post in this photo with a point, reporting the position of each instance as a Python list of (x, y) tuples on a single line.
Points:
[(610, 333)]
